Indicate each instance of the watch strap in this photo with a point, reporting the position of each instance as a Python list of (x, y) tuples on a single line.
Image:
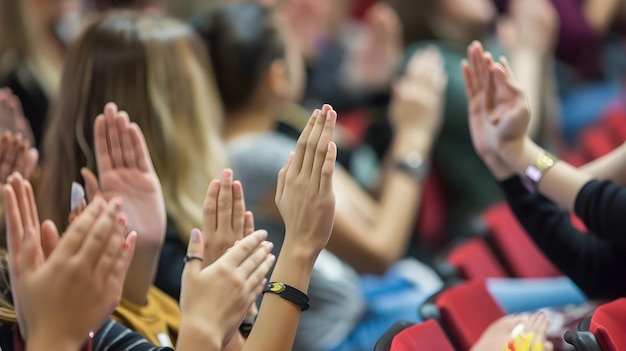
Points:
[(288, 293)]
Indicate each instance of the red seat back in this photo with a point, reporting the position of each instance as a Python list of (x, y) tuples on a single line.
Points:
[(473, 259), (608, 324), (425, 336), (467, 310), (520, 254)]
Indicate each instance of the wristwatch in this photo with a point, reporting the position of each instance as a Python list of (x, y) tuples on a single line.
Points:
[(413, 165), (534, 173)]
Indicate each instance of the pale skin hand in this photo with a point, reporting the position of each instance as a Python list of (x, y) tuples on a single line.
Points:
[(306, 201), (16, 155), (225, 221), (126, 171), (610, 166), (12, 116), (505, 132), (81, 278), (214, 299)]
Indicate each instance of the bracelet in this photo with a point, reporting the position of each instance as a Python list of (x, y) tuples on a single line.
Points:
[(288, 293)]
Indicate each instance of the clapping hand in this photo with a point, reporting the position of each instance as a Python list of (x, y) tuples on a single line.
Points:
[(79, 276)]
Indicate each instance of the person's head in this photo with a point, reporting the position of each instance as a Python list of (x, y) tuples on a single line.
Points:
[(29, 41), (433, 19), (158, 71), (255, 66)]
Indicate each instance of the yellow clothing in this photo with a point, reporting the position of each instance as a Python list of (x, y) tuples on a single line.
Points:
[(158, 321)]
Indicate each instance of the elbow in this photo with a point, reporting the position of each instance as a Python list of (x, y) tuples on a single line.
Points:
[(379, 262)]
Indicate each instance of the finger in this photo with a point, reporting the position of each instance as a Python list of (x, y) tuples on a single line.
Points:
[(508, 80), (34, 214), (49, 237), (4, 148), (302, 143), (75, 233), (246, 246), (328, 169), (112, 251), (475, 56), (99, 234), (282, 175), (123, 131), (209, 207), (313, 141), (258, 275), (113, 138), (321, 150), (8, 160), (225, 200), (468, 78), (239, 210), (119, 269), (250, 264), (248, 226), (103, 157), (15, 227), (144, 162), (29, 161), (489, 81), (196, 248), (91, 183), (17, 182)]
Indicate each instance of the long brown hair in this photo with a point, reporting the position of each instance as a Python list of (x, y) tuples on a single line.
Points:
[(158, 70)]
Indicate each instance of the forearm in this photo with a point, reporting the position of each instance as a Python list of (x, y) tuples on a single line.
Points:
[(141, 274), (609, 167), (294, 268), (528, 69), (561, 183)]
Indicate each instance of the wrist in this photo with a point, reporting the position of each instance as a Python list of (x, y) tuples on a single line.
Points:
[(299, 256), (498, 168), (408, 142), (199, 334)]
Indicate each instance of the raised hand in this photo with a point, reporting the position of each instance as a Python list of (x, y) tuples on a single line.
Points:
[(304, 193), (224, 218), (499, 113), (376, 53), (215, 299), (534, 26), (12, 116), (417, 100), (16, 155), (81, 279), (125, 170)]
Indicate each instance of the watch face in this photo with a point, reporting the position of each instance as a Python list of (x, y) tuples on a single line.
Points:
[(276, 288)]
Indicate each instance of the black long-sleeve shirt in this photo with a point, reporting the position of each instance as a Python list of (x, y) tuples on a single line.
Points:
[(595, 261)]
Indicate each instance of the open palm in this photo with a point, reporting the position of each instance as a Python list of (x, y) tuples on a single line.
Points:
[(498, 110), (126, 171)]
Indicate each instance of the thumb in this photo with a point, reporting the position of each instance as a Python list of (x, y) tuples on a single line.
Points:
[(195, 248), (49, 237), (91, 183)]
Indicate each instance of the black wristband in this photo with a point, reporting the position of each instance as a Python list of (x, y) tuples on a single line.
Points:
[(288, 293)]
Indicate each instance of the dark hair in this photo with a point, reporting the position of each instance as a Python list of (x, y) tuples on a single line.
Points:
[(243, 41), (415, 16)]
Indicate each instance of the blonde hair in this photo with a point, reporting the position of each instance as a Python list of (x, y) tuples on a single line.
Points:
[(28, 47), (158, 71)]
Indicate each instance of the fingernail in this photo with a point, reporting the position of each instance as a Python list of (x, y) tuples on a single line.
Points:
[(329, 116), (227, 174), (263, 233), (264, 282), (195, 236), (269, 245), (215, 184), (236, 242), (271, 258), (125, 245)]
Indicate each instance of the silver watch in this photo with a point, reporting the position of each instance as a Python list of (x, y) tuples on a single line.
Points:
[(414, 165)]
